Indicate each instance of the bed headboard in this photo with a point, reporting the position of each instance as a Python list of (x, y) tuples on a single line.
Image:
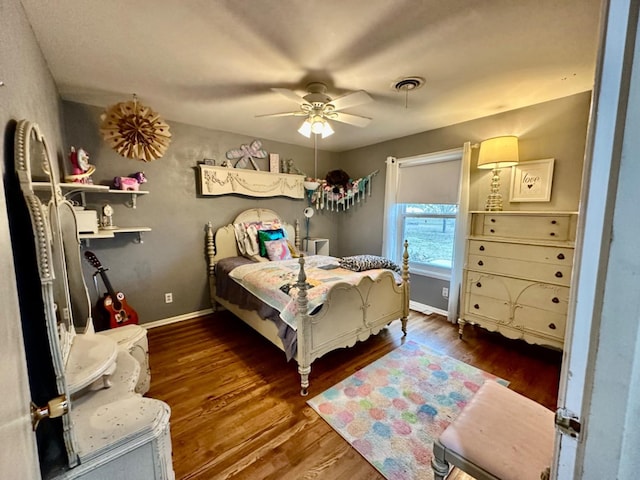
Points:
[(222, 242)]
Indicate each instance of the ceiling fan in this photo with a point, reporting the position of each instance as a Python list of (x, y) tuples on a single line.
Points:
[(318, 107)]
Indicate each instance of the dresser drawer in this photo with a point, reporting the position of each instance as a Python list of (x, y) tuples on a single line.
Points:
[(552, 298), (523, 318), (530, 227), (525, 269), (541, 322), (532, 253), (494, 309)]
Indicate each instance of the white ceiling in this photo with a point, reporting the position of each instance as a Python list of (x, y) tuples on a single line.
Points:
[(212, 62)]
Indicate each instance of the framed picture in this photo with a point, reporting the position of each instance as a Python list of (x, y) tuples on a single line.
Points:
[(531, 181), (274, 163)]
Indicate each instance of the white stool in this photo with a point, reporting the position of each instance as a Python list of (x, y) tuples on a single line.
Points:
[(499, 435)]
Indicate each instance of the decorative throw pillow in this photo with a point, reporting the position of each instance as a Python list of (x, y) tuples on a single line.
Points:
[(267, 235), (277, 249), (247, 236), (360, 263)]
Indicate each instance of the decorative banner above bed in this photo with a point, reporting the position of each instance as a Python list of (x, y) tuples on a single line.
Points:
[(253, 183)]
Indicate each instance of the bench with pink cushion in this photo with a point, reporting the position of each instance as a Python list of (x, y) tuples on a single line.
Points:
[(499, 435)]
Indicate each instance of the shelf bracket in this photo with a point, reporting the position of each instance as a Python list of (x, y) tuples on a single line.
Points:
[(138, 238), (132, 203)]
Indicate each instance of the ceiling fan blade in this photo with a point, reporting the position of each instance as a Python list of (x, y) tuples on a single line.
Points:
[(284, 114), (290, 94), (351, 119), (351, 100)]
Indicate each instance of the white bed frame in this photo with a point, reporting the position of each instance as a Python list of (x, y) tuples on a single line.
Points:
[(350, 312)]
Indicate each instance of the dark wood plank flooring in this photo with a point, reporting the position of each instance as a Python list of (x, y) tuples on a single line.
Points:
[(236, 408)]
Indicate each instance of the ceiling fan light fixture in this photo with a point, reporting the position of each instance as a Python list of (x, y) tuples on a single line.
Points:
[(305, 128), (317, 124), (327, 130)]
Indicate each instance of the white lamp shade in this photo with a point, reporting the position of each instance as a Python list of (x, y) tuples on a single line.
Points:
[(498, 152), (326, 130), (317, 124), (305, 128)]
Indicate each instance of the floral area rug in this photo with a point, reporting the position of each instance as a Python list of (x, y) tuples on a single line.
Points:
[(392, 410)]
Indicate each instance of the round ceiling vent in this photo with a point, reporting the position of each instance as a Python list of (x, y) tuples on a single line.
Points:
[(407, 83)]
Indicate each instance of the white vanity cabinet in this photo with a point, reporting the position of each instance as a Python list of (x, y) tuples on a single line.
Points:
[(517, 274), (110, 430)]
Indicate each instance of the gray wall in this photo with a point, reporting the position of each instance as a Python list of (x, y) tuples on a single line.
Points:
[(555, 129), (172, 257), (28, 92)]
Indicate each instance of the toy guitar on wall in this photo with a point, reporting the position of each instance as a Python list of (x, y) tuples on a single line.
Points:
[(113, 308)]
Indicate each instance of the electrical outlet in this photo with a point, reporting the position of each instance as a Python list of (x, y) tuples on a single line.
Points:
[(445, 292), (168, 297)]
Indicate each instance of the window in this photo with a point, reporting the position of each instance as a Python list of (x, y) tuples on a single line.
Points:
[(430, 230), (426, 202), (421, 206)]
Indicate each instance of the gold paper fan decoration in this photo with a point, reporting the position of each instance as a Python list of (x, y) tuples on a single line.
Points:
[(135, 131)]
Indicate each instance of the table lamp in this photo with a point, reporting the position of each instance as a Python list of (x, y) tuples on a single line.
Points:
[(496, 153)]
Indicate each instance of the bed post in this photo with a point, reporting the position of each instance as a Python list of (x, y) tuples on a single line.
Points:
[(405, 286), (211, 265), (304, 330), (296, 241)]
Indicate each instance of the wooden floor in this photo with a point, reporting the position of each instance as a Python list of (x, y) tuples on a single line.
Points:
[(236, 408)]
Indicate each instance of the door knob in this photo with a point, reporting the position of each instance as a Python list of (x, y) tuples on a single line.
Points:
[(55, 408)]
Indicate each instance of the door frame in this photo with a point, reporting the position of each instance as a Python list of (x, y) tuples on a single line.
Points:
[(602, 331)]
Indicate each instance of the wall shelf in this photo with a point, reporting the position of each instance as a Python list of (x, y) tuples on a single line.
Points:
[(112, 232), (253, 183), (69, 189)]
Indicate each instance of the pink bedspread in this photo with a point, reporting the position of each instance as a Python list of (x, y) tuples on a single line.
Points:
[(275, 282)]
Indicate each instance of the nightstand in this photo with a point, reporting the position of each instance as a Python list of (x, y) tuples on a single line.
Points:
[(316, 246)]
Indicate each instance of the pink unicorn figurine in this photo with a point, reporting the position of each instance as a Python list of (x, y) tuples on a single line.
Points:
[(131, 183)]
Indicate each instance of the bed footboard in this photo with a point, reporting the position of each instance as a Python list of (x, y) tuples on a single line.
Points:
[(349, 314)]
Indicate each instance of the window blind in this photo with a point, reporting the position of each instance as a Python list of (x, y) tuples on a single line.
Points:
[(428, 181)]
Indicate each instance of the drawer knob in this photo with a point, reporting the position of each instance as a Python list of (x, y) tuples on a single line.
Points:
[(553, 234), (476, 306), (481, 263), (555, 300), (560, 256), (493, 220), (553, 222), (479, 285), (559, 274), (481, 248), (552, 326), (492, 231)]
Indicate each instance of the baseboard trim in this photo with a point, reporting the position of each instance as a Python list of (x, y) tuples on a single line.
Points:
[(418, 307), (176, 319), (426, 309)]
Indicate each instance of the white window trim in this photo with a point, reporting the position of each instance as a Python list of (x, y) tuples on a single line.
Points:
[(389, 219)]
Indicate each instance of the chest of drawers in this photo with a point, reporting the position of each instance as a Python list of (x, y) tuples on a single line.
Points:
[(517, 274)]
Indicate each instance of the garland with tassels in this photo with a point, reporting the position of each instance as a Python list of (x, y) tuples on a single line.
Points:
[(340, 197)]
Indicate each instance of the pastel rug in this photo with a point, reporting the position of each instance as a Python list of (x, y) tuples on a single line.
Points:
[(392, 410)]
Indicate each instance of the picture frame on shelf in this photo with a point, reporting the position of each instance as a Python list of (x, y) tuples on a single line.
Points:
[(274, 163), (531, 181)]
